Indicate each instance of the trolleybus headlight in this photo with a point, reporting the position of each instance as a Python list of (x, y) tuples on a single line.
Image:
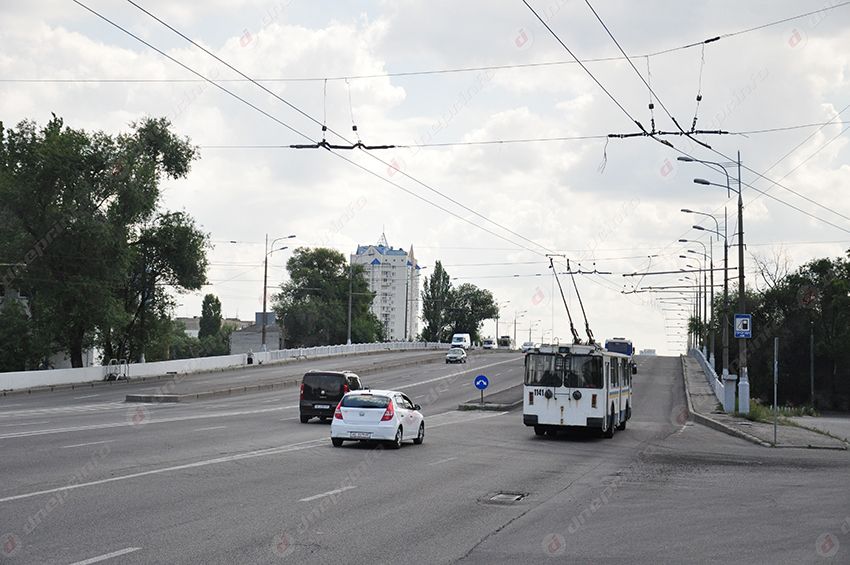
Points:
[(577, 394)]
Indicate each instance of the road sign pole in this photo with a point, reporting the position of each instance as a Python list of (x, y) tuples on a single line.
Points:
[(482, 396), (775, 385)]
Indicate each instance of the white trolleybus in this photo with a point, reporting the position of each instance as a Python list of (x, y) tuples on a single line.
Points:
[(577, 386)]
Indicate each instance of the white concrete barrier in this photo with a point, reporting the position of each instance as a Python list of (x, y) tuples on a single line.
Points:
[(54, 377)]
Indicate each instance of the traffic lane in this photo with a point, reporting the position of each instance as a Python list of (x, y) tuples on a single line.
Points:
[(116, 391), (464, 447), (240, 510), (699, 496), (142, 436)]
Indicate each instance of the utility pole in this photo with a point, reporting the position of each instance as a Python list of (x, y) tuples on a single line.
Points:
[(743, 381), (812, 362), (350, 283), (266, 278), (265, 287), (725, 295)]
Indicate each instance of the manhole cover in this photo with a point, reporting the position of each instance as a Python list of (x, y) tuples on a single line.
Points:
[(507, 497)]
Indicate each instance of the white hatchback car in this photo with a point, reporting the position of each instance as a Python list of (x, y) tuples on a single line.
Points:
[(377, 415)]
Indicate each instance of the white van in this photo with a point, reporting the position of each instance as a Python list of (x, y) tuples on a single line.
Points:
[(461, 340)]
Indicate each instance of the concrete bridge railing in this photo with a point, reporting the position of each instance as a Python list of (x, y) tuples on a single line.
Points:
[(54, 377)]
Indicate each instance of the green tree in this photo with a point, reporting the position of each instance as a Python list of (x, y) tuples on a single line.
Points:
[(436, 301), (447, 310), (80, 220), (19, 347), (210, 323), (312, 306), (470, 306)]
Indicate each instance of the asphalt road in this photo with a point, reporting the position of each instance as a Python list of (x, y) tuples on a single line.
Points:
[(240, 480)]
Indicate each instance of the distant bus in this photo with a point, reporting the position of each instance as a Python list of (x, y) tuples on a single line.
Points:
[(506, 342), (576, 386), (620, 345)]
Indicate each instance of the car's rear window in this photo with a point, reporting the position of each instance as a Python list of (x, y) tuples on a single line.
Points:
[(365, 401), (331, 384)]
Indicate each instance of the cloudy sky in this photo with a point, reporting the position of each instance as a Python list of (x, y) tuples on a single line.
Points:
[(489, 212)]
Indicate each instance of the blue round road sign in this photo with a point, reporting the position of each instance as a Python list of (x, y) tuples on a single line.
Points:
[(481, 382)]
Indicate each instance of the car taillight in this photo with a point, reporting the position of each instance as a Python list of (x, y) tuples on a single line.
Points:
[(345, 389), (338, 411), (388, 413), (302, 391)]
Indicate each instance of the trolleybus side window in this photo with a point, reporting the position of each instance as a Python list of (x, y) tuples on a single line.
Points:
[(544, 370), (615, 373), (585, 372)]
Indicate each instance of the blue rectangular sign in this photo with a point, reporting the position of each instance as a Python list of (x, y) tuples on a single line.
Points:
[(743, 326)]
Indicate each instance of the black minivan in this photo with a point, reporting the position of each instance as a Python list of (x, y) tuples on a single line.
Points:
[(321, 391)]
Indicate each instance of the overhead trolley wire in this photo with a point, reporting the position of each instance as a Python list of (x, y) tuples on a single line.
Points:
[(311, 118), (427, 72), (287, 126)]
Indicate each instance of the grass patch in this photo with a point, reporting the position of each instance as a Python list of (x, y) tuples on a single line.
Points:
[(761, 413)]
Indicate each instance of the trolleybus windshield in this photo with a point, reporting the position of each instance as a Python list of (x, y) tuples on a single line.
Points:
[(585, 372), (575, 371), (544, 370)]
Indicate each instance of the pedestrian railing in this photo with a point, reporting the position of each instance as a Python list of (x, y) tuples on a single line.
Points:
[(714, 381)]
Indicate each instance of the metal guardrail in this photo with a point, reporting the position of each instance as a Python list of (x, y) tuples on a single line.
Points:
[(710, 375)]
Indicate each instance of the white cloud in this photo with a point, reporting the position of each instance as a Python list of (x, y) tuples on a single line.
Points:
[(551, 193)]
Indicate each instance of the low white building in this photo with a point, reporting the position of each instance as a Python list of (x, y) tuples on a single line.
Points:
[(393, 275)]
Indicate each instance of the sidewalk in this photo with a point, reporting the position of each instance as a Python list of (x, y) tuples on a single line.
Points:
[(705, 409)]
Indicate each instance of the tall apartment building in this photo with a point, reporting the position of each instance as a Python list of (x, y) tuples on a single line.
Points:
[(393, 275)]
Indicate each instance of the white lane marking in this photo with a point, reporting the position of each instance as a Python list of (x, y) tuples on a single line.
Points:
[(106, 556), (442, 461), (85, 444), (31, 433), (457, 374), (329, 493), (309, 444), (24, 424), (63, 409), (210, 428), (248, 455), (86, 396)]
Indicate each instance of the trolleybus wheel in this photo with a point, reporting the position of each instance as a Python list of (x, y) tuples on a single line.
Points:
[(539, 431), (608, 432), (622, 425)]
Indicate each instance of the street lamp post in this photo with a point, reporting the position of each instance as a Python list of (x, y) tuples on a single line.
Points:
[(708, 293), (531, 327), (266, 278), (744, 381), (517, 315), (498, 307), (711, 261), (725, 334)]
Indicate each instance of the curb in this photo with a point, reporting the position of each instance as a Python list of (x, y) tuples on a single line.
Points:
[(489, 406), (476, 404), (290, 380), (721, 427), (695, 416)]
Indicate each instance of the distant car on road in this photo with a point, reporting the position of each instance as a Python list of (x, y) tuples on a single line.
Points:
[(377, 415), (527, 346), (456, 355), (489, 344), (321, 391)]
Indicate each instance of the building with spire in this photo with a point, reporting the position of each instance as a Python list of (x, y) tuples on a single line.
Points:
[(393, 275)]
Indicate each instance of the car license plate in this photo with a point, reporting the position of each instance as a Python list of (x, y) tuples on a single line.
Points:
[(360, 435), (321, 406)]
